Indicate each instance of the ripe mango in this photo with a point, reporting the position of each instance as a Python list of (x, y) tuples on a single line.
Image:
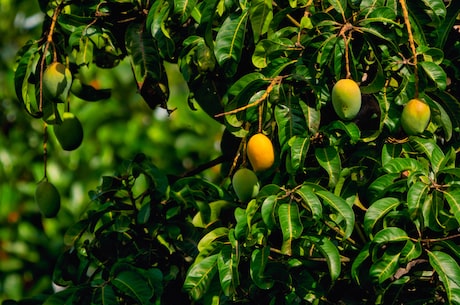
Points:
[(260, 152), (346, 99), (415, 117), (48, 199), (57, 80), (246, 184), (70, 132)]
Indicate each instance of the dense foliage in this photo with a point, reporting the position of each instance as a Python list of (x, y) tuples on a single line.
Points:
[(352, 212)]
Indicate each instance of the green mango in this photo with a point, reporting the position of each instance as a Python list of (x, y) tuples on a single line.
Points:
[(246, 184), (346, 99), (415, 117), (70, 132), (57, 80), (48, 199)]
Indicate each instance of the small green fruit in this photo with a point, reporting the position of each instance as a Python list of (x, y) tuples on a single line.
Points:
[(57, 80), (246, 184), (346, 99), (48, 199), (415, 117), (70, 132)]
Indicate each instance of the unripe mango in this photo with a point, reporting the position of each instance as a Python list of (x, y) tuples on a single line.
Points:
[(70, 132), (346, 99), (260, 152), (415, 117), (246, 184), (57, 80), (48, 199)]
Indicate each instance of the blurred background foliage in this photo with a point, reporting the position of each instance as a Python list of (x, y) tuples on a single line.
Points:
[(115, 130)]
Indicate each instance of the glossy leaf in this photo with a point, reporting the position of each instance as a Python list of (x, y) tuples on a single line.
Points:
[(453, 198), (345, 212), (377, 211), (311, 200), (133, 285), (228, 271), (299, 149), (259, 260), (385, 268), (329, 159), (389, 235), (290, 120), (230, 41), (200, 276), (290, 224), (330, 252), (448, 271), (261, 14)]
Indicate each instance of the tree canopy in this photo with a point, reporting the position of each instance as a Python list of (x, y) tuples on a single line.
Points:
[(352, 190)]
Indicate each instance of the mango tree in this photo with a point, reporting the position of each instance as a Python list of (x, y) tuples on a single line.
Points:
[(358, 206)]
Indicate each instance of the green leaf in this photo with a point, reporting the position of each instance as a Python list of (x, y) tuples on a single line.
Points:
[(430, 149), (311, 200), (329, 250), (134, 285), (377, 211), (299, 149), (385, 267), (104, 295), (200, 275), (416, 196), (448, 271), (143, 52), (184, 8), (389, 235), (28, 58), (345, 212), (398, 165), (228, 271), (435, 73), (230, 41), (259, 260), (211, 237), (412, 250), (453, 198), (358, 262), (290, 120), (291, 226), (261, 14), (268, 211), (329, 159)]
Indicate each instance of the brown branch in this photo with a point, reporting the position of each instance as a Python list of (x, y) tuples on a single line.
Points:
[(411, 42), (275, 81)]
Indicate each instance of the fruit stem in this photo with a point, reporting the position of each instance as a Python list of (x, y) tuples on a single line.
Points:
[(411, 42), (45, 150)]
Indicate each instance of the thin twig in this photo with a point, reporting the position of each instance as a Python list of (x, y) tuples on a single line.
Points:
[(411, 42), (275, 81)]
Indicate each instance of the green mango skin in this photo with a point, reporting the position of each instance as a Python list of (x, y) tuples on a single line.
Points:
[(57, 80), (70, 132), (415, 117), (346, 99), (246, 184), (48, 199)]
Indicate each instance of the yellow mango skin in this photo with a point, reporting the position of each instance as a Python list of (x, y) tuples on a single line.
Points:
[(260, 152), (346, 99), (57, 80), (246, 184), (70, 132), (48, 199), (415, 117)]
